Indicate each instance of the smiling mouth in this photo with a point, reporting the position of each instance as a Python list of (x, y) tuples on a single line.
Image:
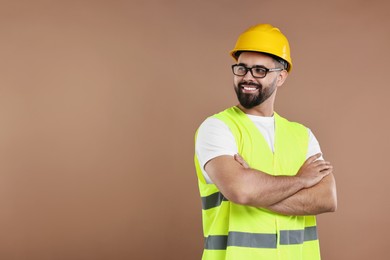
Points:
[(248, 88)]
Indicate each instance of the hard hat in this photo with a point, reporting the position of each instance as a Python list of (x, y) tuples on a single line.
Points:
[(263, 38)]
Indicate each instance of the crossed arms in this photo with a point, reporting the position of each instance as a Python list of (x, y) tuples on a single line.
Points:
[(311, 191)]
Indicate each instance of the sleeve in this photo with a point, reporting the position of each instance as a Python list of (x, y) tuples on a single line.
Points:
[(314, 146), (214, 139)]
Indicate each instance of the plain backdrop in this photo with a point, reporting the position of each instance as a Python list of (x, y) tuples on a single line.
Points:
[(100, 100)]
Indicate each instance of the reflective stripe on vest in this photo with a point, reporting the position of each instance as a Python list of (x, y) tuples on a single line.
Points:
[(213, 200), (242, 239)]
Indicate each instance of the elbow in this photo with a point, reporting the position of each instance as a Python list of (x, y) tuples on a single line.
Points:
[(327, 203), (236, 194), (333, 200), (331, 205), (239, 197), (328, 206), (246, 198)]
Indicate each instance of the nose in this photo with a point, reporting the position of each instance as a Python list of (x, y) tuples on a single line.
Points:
[(248, 76)]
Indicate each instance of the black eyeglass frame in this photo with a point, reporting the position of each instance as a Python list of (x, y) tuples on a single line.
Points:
[(266, 70)]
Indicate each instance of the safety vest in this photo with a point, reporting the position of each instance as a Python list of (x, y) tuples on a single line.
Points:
[(236, 232)]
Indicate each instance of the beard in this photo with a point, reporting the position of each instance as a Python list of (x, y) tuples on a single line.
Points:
[(250, 100)]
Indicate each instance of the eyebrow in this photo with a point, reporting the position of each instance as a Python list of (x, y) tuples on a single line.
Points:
[(254, 66)]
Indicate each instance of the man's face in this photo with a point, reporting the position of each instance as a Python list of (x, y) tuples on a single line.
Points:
[(252, 91)]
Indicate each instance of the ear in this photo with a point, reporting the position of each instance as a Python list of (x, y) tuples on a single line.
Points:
[(282, 77)]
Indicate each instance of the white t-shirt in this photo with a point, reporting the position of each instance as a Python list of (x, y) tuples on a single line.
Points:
[(215, 139)]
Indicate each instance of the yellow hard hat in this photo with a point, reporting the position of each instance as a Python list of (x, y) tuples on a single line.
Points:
[(263, 38)]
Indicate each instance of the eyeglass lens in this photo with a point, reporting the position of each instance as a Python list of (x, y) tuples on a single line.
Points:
[(258, 72)]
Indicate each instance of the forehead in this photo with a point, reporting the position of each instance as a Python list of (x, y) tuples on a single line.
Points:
[(255, 58)]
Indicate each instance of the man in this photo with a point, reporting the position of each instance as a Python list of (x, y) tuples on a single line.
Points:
[(261, 178)]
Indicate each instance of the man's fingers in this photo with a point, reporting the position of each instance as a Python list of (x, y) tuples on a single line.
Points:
[(320, 163), (326, 172), (325, 168), (313, 158)]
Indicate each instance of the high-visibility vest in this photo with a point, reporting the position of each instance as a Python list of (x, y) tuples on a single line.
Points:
[(236, 232)]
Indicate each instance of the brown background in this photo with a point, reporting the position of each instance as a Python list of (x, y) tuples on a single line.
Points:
[(99, 102)]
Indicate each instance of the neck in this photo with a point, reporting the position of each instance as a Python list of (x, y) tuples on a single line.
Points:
[(257, 111)]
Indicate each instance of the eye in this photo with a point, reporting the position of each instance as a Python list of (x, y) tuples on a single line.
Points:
[(241, 69), (259, 70)]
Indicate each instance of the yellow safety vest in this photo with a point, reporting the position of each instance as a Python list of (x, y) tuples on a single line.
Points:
[(236, 232)]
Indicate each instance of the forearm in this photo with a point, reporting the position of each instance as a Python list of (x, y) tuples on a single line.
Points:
[(262, 190), (251, 187), (315, 200)]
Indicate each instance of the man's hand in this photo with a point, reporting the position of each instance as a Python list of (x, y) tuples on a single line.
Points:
[(313, 171)]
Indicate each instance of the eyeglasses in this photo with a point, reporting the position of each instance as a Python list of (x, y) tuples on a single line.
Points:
[(256, 71)]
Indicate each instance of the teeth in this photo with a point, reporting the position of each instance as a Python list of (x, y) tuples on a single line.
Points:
[(250, 88)]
